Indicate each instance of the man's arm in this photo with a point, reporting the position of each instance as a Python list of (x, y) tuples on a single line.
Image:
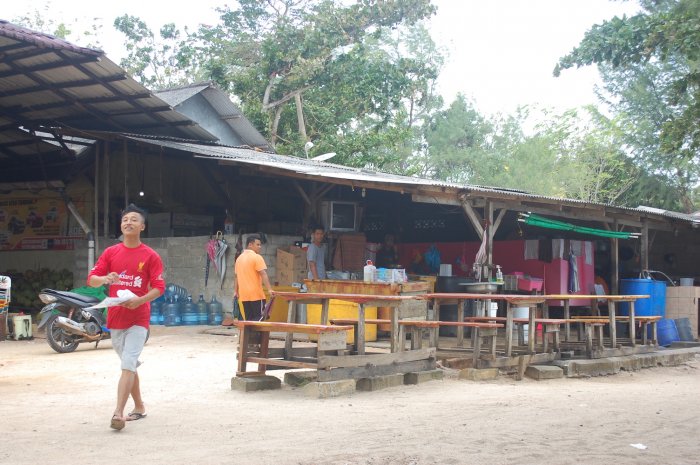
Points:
[(265, 280), (138, 301), (314, 270), (97, 281)]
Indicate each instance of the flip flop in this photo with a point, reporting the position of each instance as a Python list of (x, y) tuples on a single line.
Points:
[(117, 423), (133, 416)]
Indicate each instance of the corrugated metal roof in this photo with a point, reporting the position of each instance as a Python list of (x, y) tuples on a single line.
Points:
[(221, 103), (326, 170), (47, 82)]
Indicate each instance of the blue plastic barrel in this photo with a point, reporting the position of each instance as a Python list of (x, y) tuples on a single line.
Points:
[(642, 307), (658, 298), (666, 332)]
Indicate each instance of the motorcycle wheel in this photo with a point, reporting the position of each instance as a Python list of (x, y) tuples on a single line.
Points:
[(58, 339)]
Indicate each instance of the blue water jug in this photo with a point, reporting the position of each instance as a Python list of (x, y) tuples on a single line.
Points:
[(189, 312), (216, 312), (202, 311), (172, 314), (156, 315)]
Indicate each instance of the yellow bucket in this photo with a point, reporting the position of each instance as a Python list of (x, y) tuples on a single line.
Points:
[(342, 309)]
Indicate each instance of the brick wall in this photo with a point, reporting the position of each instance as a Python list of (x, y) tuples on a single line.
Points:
[(682, 302)]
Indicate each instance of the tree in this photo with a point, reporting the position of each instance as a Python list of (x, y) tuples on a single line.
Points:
[(42, 20), (666, 33), (152, 60), (322, 71)]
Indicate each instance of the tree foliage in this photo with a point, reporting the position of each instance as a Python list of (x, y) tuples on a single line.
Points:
[(650, 65), (346, 75)]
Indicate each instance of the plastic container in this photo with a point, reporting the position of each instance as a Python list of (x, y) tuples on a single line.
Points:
[(499, 275), (666, 332), (642, 307), (172, 290), (172, 312), (216, 312), (157, 311), (658, 298), (522, 312), (202, 311), (687, 281), (190, 315), (685, 331), (369, 272)]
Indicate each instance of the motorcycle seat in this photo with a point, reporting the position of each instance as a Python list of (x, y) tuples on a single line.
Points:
[(78, 298)]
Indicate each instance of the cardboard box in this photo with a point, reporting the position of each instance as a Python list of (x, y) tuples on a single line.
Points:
[(291, 265)]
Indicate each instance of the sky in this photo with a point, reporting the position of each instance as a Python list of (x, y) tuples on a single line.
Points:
[(501, 53)]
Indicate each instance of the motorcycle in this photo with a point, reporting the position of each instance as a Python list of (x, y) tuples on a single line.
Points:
[(68, 322)]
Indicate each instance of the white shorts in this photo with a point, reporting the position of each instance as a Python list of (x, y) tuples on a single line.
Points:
[(128, 344)]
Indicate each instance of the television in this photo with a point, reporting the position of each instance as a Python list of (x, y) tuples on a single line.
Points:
[(342, 216)]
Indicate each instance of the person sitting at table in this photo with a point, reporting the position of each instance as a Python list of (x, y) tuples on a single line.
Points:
[(387, 255)]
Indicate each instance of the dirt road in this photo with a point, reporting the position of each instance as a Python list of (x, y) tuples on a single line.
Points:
[(56, 409)]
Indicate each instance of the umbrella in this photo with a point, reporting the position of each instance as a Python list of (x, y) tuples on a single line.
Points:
[(211, 256), (221, 247)]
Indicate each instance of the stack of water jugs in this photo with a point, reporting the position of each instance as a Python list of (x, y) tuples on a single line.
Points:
[(176, 307)]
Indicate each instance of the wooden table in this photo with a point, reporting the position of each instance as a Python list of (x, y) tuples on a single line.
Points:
[(362, 301), (360, 364)]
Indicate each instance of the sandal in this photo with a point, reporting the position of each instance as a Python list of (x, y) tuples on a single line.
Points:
[(117, 423), (133, 416)]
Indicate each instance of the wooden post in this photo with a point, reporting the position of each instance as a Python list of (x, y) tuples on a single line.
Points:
[(488, 214), (615, 263), (96, 191), (126, 174), (361, 329), (645, 245)]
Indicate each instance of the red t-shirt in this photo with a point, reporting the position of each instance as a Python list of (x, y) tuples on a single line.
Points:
[(140, 269)]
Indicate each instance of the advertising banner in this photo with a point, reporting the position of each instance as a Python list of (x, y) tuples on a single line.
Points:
[(33, 224)]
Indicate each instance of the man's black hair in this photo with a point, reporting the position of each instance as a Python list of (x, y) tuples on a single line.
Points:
[(133, 208), (252, 238), (317, 227)]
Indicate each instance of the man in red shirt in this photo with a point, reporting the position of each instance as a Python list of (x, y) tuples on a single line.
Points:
[(134, 266), (251, 274)]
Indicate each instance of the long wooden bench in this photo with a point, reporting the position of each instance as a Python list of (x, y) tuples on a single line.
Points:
[(330, 338), (643, 320), (412, 327)]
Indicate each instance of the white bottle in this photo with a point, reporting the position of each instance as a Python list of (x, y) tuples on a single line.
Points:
[(370, 272), (499, 275)]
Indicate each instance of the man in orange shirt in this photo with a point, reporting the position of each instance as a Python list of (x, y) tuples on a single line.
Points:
[(251, 274)]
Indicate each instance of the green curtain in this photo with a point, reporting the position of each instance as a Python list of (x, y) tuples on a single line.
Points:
[(536, 220)]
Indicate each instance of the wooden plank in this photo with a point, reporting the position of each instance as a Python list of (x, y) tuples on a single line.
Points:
[(281, 363), (273, 326), (369, 371), (341, 361), (332, 341)]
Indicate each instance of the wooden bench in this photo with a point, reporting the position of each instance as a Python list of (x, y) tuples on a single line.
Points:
[(330, 338), (549, 326), (413, 327), (481, 330), (591, 324), (643, 320)]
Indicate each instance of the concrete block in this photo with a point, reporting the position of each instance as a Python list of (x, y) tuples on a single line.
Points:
[(300, 378), (540, 372), (255, 383), (324, 390), (380, 382), (477, 374), (423, 376)]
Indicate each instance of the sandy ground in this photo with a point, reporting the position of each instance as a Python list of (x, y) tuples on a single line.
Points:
[(56, 408)]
